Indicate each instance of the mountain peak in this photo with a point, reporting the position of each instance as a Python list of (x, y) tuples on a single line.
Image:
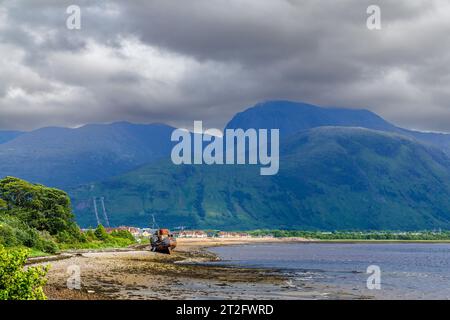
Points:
[(291, 117)]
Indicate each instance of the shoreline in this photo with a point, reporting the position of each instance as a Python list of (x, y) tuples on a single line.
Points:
[(187, 243), (213, 242), (204, 243), (138, 273), (147, 275)]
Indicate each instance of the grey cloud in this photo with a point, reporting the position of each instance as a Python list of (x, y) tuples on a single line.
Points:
[(168, 61)]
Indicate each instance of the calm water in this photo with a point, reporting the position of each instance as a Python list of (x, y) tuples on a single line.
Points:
[(408, 271)]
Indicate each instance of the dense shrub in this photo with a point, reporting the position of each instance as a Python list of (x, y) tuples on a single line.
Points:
[(35, 216), (17, 283), (15, 233), (101, 234), (90, 235), (124, 234), (7, 236), (39, 217)]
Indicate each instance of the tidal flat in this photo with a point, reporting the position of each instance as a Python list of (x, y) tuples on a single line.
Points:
[(189, 273)]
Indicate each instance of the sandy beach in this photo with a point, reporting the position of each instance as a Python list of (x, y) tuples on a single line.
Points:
[(141, 274)]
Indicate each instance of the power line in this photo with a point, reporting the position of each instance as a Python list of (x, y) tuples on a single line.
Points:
[(96, 212), (102, 199)]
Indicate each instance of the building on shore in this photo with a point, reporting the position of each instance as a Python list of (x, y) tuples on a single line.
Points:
[(191, 234), (224, 234)]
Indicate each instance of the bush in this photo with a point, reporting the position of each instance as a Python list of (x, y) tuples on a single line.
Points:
[(90, 235), (15, 233), (7, 236), (101, 234), (17, 283), (124, 234), (46, 243)]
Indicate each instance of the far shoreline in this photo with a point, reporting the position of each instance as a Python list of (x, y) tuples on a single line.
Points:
[(202, 244), (205, 243), (137, 273)]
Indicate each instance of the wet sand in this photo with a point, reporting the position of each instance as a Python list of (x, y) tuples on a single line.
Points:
[(141, 274)]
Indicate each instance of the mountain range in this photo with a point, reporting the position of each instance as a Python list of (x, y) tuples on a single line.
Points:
[(290, 117), (330, 178), (6, 136), (64, 157), (339, 169)]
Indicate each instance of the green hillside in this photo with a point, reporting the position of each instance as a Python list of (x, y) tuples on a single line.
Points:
[(330, 178)]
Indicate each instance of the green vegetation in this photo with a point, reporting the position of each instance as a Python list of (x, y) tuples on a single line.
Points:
[(35, 216), (99, 238), (356, 235), (41, 218), (330, 179), (17, 283)]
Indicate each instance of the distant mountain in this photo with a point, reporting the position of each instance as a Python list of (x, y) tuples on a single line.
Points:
[(339, 169), (330, 178), (6, 136), (63, 157), (291, 117)]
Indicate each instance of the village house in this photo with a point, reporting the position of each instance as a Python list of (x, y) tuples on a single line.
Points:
[(224, 234), (192, 234), (146, 233)]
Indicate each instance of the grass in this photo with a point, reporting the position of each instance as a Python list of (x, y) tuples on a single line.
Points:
[(96, 245), (33, 251), (38, 253)]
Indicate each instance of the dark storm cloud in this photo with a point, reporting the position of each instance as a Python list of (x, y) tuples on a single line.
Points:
[(147, 61)]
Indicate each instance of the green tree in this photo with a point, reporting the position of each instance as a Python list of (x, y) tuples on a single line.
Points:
[(40, 207), (100, 233), (3, 204), (17, 283), (90, 235)]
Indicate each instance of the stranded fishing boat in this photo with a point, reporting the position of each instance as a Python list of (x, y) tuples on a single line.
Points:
[(162, 241)]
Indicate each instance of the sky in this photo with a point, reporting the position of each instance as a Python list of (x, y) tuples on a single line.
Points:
[(176, 61)]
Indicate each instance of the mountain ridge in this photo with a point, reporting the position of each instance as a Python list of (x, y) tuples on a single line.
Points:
[(80, 155), (7, 135), (339, 169), (290, 117), (330, 178)]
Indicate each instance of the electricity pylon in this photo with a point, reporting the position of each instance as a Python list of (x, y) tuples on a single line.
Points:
[(102, 199), (96, 212)]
